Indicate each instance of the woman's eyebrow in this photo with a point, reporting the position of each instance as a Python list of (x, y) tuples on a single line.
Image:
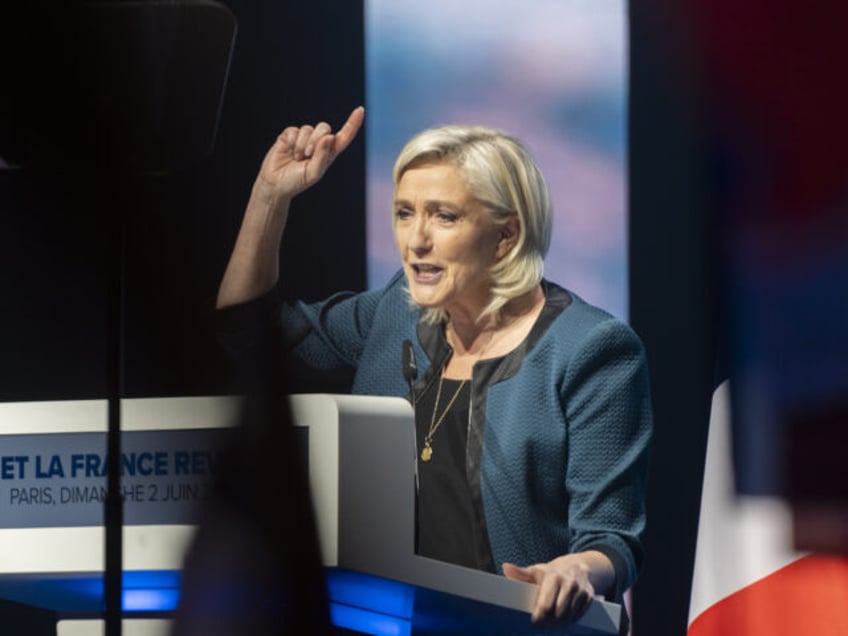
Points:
[(431, 204)]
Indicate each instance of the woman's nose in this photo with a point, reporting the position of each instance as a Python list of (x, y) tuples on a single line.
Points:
[(419, 236)]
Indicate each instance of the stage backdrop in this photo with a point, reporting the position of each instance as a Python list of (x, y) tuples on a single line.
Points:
[(552, 73)]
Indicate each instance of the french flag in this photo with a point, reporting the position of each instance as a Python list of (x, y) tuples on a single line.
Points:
[(748, 579)]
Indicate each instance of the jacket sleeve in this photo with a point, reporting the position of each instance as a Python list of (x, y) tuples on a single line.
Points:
[(324, 339), (608, 411)]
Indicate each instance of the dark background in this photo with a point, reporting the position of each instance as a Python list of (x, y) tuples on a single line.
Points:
[(673, 297), (297, 62), (58, 219)]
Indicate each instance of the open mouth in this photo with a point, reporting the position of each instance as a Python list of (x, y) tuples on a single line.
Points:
[(425, 272)]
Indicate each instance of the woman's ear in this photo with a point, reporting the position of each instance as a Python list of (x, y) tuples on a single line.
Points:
[(509, 233)]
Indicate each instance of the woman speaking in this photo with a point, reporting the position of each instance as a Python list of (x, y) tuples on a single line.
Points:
[(532, 407)]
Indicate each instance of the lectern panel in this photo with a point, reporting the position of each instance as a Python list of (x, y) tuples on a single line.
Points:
[(361, 459)]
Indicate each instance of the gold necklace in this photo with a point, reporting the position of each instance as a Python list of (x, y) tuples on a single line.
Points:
[(427, 451)]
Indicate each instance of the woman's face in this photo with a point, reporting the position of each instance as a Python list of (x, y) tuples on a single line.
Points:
[(447, 240)]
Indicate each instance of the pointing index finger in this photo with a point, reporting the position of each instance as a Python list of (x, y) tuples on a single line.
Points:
[(347, 132)]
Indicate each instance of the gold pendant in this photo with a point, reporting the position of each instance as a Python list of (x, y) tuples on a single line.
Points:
[(426, 452)]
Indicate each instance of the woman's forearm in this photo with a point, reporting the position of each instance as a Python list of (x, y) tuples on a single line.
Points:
[(253, 268)]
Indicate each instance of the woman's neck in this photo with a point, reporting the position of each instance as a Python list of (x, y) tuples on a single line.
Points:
[(473, 340)]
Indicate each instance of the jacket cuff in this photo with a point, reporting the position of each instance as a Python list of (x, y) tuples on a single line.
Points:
[(615, 592)]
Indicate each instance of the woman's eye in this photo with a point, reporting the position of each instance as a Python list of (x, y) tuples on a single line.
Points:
[(403, 213), (447, 217)]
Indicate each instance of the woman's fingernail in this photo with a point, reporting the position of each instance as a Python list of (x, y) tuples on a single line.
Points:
[(309, 150)]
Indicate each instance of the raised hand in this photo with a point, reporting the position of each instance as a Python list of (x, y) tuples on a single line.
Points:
[(296, 161), (301, 155)]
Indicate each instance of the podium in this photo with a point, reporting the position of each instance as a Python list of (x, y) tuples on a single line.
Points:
[(361, 463)]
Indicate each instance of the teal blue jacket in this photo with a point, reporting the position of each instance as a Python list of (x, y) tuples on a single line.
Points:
[(559, 430)]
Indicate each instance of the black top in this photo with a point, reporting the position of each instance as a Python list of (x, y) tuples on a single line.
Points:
[(447, 529)]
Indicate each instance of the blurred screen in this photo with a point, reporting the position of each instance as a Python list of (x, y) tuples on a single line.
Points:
[(550, 72)]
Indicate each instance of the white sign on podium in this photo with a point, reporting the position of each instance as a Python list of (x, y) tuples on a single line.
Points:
[(361, 462)]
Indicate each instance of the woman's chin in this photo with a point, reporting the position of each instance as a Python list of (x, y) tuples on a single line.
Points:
[(425, 303), (425, 300)]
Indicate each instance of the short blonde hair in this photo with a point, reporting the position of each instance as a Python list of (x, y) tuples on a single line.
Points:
[(505, 178)]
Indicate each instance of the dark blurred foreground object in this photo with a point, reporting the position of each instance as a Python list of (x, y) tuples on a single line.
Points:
[(135, 86), (738, 180), (98, 94), (17, 618), (776, 106), (254, 566)]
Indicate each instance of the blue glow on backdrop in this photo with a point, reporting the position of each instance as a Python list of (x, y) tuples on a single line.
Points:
[(552, 73)]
